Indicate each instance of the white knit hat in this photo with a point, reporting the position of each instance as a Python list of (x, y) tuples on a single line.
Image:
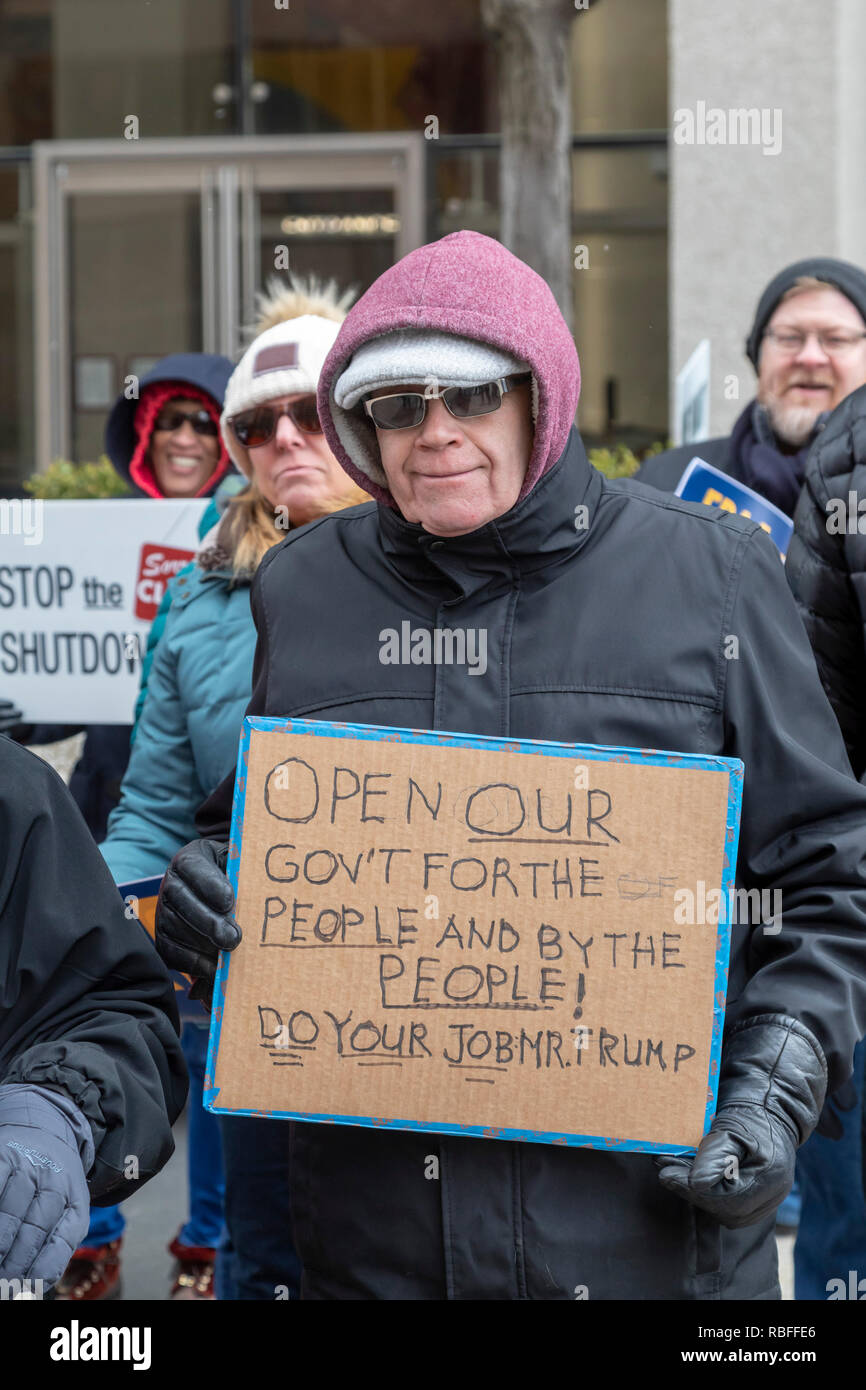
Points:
[(285, 360), (410, 356)]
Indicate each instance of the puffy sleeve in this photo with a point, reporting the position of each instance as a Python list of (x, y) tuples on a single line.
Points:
[(86, 1005), (803, 829)]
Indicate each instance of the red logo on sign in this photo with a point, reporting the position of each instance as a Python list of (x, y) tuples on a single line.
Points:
[(156, 566)]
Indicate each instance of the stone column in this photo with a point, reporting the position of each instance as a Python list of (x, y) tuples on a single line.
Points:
[(741, 211)]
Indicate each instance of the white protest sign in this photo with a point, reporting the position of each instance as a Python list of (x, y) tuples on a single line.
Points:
[(80, 584), (692, 403)]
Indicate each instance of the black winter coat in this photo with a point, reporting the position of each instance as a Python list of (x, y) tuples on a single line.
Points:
[(86, 1004), (610, 634), (826, 566), (750, 454)]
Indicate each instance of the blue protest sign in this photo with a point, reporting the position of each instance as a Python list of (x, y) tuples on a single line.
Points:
[(701, 482)]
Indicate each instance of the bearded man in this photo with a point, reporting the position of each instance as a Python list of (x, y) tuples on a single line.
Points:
[(808, 346)]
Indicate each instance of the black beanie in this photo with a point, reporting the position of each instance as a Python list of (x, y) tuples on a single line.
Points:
[(842, 275)]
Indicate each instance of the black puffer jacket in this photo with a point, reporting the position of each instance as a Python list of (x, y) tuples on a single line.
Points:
[(611, 634), (826, 566), (86, 1004)]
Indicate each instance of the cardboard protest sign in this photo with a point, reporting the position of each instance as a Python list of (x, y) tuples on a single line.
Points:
[(701, 482), (474, 935), (139, 900), (80, 584)]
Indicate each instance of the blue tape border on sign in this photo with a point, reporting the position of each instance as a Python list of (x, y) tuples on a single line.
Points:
[(589, 752)]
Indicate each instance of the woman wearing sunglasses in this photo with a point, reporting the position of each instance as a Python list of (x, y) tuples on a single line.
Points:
[(198, 688), (166, 442)]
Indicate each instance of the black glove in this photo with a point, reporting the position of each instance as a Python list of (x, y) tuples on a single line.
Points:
[(771, 1089), (194, 919), (10, 716)]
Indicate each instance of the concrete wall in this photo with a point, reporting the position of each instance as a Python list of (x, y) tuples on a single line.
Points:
[(738, 215)]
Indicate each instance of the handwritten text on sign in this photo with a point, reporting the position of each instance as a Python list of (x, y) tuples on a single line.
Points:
[(472, 936)]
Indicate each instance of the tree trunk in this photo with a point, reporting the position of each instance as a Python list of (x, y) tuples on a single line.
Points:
[(535, 104)]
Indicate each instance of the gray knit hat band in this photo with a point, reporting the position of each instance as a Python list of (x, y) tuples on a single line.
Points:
[(421, 357)]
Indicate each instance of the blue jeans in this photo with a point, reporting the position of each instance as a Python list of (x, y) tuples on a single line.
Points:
[(831, 1239), (257, 1259), (204, 1156)]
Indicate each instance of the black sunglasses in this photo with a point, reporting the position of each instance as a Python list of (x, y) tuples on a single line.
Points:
[(405, 410), (257, 426), (201, 420)]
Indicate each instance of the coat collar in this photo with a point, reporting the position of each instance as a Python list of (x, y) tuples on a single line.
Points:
[(548, 526)]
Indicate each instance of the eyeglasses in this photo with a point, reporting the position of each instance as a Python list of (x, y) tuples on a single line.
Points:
[(201, 420), (257, 426), (406, 409), (790, 342)]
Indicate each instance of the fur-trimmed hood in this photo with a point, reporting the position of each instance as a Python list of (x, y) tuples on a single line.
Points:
[(206, 372)]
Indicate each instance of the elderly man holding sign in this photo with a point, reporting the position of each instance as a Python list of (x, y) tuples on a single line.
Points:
[(600, 614)]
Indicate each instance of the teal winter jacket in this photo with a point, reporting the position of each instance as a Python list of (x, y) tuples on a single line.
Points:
[(186, 737), (209, 519), (166, 770)]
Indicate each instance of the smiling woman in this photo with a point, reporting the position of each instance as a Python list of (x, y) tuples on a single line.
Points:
[(166, 442), (179, 450), (185, 447)]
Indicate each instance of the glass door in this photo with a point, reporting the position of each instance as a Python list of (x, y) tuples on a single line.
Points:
[(346, 218), (135, 295), (160, 247), (130, 249)]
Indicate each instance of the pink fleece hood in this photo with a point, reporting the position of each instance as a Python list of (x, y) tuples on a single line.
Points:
[(469, 285)]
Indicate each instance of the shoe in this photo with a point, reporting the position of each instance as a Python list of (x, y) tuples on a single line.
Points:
[(194, 1277), (92, 1273)]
